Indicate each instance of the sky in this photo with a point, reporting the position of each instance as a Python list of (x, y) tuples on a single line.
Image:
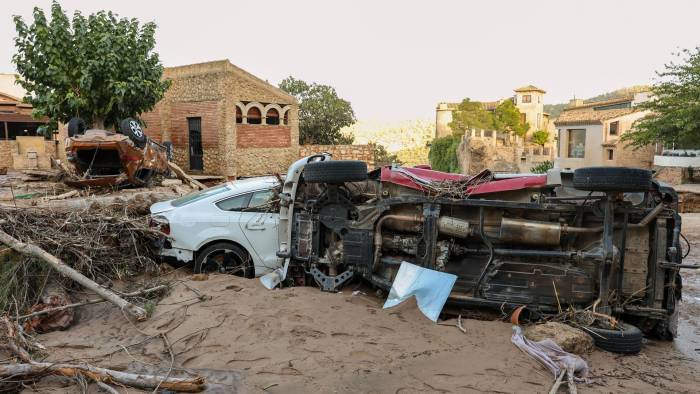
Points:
[(396, 60)]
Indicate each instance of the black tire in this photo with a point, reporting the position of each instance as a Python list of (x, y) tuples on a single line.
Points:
[(76, 126), (131, 128), (224, 257), (626, 340), (612, 179), (335, 171)]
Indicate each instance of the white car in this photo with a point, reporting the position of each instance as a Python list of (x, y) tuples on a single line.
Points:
[(227, 228)]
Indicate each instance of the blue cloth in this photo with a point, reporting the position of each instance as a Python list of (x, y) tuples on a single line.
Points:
[(431, 289)]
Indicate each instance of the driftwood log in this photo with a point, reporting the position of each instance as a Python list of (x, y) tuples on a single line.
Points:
[(64, 269), (185, 178), (13, 343)]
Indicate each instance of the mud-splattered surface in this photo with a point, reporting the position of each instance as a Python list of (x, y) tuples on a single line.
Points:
[(301, 340)]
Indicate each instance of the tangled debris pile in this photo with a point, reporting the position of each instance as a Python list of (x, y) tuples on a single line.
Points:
[(103, 243)]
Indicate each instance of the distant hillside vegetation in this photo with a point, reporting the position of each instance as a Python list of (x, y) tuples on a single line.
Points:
[(555, 109), (395, 136)]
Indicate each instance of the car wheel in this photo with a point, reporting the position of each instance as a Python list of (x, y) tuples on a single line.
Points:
[(224, 257), (612, 179), (76, 126), (335, 171), (131, 128), (626, 340)]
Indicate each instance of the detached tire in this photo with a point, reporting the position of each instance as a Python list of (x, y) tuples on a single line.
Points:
[(335, 171), (76, 126), (628, 340), (612, 179), (131, 128)]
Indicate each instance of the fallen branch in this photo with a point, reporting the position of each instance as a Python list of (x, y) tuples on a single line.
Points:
[(141, 381), (32, 250), (63, 196), (89, 302), (186, 178), (31, 368)]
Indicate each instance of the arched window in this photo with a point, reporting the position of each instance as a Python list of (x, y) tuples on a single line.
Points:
[(286, 117), (272, 116), (254, 115), (239, 115)]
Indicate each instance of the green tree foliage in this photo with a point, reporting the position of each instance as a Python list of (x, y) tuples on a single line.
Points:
[(321, 112), (443, 153), (99, 67), (382, 157), (507, 118), (675, 108), (540, 137), (542, 167), (470, 115)]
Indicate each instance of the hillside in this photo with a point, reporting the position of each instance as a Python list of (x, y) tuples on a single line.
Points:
[(395, 136)]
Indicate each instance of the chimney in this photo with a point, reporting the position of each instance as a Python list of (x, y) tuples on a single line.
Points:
[(575, 103)]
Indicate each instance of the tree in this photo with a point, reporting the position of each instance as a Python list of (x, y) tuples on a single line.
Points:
[(674, 109), (443, 153), (507, 118), (540, 137), (99, 68), (321, 112), (382, 157), (470, 115)]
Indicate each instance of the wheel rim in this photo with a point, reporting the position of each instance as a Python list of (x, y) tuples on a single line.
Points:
[(136, 129), (226, 261)]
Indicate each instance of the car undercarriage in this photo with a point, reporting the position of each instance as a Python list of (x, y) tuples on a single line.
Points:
[(606, 239)]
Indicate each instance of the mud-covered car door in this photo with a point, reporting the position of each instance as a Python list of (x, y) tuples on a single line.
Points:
[(259, 224)]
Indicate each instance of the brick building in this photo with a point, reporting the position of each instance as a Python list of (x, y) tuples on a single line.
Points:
[(225, 121), (21, 147)]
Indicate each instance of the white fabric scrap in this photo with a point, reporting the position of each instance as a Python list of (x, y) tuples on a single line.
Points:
[(549, 354), (431, 289)]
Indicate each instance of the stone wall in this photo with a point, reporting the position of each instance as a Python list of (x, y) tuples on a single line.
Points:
[(475, 155), (671, 175), (6, 154), (341, 152)]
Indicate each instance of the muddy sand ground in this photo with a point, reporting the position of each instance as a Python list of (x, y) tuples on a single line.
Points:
[(297, 340)]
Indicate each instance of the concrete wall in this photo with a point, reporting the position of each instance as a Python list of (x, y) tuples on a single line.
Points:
[(28, 153), (593, 155)]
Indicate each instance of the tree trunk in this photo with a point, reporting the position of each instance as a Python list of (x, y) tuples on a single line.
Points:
[(98, 123), (57, 264)]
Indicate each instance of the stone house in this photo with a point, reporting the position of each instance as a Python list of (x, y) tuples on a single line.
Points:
[(222, 120), (20, 146), (589, 134), (528, 99), (514, 154)]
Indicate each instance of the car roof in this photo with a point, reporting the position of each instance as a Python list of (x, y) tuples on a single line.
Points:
[(252, 184)]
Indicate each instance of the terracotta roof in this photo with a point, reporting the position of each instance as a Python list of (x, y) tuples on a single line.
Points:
[(529, 88), (587, 115), (588, 104)]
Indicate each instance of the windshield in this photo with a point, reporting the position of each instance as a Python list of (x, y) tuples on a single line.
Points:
[(202, 194)]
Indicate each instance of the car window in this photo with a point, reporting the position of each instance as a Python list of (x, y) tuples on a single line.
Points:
[(260, 202), (235, 203), (192, 197)]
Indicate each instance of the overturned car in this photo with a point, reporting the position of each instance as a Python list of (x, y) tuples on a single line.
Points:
[(106, 158), (606, 238)]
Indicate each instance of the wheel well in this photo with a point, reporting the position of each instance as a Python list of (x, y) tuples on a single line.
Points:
[(221, 240)]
